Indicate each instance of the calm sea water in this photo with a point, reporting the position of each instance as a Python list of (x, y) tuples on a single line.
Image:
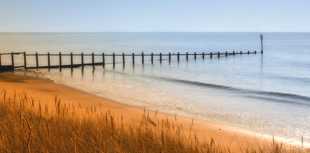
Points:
[(268, 94)]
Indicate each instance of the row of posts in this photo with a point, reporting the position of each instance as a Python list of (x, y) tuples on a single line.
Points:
[(113, 55), (103, 61)]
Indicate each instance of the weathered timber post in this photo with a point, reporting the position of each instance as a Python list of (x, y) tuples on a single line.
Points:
[(152, 58), (234, 53), (93, 59), (12, 56), (103, 60), (218, 54), (113, 60), (37, 60), (255, 51), (226, 54), (248, 52), (142, 57), (71, 59), (186, 56), (169, 57), (25, 62), (241, 52), (160, 58), (48, 60), (0, 59), (203, 55), (123, 59), (210, 54), (195, 55), (261, 41), (133, 58), (82, 59), (178, 56), (60, 60)]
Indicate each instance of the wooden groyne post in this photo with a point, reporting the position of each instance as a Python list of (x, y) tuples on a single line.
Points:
[(48, 60), (103, 60), (25, 60), (169, 57), (152, 58), (186, 56), (60, 60), (37, 60), (123, 59), (71, 55), (12, 56), (142, 54), (133, 58), (93, 59), (261, 41), (113, 60), (82, 59)]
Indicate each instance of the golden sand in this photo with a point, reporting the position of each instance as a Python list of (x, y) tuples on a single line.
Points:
[(45, 92)]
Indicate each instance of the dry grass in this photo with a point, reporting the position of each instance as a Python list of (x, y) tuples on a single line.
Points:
[(26, 126)]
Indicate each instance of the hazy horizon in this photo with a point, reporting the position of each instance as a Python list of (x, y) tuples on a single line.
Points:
[(159, 32)]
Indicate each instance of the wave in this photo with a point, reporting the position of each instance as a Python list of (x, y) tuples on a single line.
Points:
[(274, 96), (279, 100), (284, 95), (263, 95), (198, 83)]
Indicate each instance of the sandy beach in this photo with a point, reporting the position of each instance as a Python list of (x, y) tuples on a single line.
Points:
[(45, 91)]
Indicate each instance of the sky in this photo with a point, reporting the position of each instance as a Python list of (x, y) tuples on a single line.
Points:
[(154, 16)]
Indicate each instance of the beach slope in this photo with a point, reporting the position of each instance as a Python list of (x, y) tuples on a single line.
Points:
[(45, 91)]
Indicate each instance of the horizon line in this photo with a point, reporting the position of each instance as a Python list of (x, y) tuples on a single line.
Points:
[(158, 32)]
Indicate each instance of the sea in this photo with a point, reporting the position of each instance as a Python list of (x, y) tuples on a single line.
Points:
[(268, 94)]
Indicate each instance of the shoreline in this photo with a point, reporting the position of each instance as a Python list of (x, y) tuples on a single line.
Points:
[(45, 91)]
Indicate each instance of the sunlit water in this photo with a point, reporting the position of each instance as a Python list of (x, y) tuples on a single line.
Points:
[(267, 93)]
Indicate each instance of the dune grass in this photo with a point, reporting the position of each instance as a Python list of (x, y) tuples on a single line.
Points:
[(26, 126)]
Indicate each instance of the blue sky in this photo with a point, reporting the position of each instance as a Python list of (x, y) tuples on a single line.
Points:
[(154, 16)]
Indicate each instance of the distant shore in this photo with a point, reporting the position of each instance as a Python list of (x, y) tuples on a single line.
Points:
[(45, 92)]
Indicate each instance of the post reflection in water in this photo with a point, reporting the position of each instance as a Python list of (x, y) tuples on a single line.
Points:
[(93, 73), (103, 75), (261, 71), (71, 72), (82, 71)]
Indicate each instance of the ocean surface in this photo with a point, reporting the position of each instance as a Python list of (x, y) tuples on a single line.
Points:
[(267, 94)]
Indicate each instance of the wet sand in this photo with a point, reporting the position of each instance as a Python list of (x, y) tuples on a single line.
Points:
[(45, 92)]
